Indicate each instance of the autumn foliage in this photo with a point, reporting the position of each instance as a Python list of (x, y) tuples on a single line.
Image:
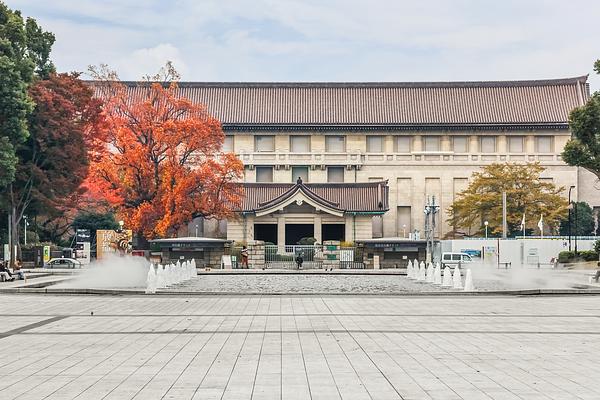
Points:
[(162, 162)]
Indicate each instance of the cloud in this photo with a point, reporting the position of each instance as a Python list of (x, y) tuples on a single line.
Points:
[(299, 40)]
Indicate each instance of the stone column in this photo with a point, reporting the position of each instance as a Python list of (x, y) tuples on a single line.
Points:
[(318, 225), (280, 231), (256, 254), (331, 254)]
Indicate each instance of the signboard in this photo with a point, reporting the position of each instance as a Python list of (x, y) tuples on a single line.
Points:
[(113, 242), (83, 236), (82, 252)]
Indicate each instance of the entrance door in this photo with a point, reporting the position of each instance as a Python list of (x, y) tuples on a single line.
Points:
[(295, 232)]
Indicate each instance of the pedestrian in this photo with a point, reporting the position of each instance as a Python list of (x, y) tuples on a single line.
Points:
[(244, 257), (300, 260), (6, 273), (18, 269)]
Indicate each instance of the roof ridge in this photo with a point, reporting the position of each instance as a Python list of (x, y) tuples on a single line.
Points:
[(381, 84)]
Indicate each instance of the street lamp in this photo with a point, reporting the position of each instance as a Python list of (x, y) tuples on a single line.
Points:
[(486, 226), (25, 233), (570, 206)]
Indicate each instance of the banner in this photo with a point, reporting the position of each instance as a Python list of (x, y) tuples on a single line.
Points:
[(83, 236), (113, 242), (46, 254)]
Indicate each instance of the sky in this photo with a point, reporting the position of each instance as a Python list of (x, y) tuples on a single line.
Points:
[(326, 40)]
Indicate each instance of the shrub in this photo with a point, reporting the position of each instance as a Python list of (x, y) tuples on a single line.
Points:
[(569, 256), (565, 256)]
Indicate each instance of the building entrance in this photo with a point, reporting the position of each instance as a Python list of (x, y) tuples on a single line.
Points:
[(266, 232), (333, 232), (295, 232)]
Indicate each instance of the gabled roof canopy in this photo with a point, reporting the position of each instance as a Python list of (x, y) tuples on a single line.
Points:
[(334, 198)]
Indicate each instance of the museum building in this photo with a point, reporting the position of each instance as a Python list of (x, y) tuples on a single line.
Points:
[(355, 161)]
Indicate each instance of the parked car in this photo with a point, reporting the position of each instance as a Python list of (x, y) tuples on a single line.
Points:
[(63, 263), (452, 259)]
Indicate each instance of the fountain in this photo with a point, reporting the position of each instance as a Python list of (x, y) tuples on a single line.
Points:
[(437, 275), (409, 270), (456, 278), (429, 278), (469, 281), (151, 280), (422, 275), (447, 282)]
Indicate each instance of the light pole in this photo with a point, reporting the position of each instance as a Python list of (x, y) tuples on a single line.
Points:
[(570, 206), (486, 227), (25, 232)]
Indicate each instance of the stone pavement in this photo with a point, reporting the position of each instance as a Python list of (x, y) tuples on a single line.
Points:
[(299, 347)]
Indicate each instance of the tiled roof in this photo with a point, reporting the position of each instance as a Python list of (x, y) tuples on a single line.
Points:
[(319, 105), (347, 197)]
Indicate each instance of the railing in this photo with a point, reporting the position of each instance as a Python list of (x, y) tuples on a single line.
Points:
[(294, 256), (311, 158)]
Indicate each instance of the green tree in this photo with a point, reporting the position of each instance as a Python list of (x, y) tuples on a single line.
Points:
[(94, 221), (583, 225), (583, 149), (24, 54), (526, 194)]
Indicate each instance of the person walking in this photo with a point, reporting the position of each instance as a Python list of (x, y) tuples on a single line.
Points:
[(244, 257)]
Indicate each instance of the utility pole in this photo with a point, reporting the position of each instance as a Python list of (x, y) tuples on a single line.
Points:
[(431, 209)]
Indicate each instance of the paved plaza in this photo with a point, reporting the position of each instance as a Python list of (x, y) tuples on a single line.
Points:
[(299, 347)]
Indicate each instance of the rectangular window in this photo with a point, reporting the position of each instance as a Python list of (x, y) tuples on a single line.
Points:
[(264, 174), (488, 144), (299, 172), (335, 174), (460, 144), (228, 144), (515, 144), (431, 143), (404, 220), (544, 144), (374, 144), (403, 144), (264, 143), (335, 144), (300, 144)]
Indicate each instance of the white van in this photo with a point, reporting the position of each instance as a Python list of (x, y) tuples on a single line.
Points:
[(452, 259)]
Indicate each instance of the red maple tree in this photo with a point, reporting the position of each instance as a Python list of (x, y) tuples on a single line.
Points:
[(162, 163)]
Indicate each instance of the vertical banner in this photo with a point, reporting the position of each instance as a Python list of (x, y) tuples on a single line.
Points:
[(83, 238), (6, 252), (46, 254), (113, 242)]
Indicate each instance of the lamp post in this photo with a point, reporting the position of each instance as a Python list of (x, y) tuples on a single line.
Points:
[(570, 206), (486, 227), (25, 232)]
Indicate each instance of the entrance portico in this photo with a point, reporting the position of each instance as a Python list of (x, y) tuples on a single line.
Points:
[(285, 213)]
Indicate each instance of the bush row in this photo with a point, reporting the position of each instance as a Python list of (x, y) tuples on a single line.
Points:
[(570, 256)]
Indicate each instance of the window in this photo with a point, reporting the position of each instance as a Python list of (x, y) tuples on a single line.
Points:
[(264, 143), (300, 144), (431, 143), (228, 144), (544, 144), (374, 144), (264, 174), (335, 144), (515, 144), (404, 227), (403, 144), (335, 174), (488, 144), (299, 172), (460, 144)]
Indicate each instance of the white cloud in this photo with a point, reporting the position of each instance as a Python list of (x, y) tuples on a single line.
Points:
[(326, 39)]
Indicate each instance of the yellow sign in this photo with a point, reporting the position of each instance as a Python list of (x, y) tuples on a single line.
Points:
[(113, 242), (46, 254)]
